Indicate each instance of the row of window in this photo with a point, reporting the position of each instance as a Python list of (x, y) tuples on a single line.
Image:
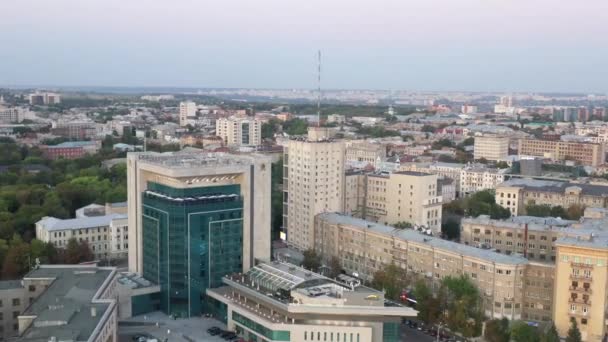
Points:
[(329, 336)]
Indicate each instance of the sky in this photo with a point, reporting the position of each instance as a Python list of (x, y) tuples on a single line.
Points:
[(424, 45)]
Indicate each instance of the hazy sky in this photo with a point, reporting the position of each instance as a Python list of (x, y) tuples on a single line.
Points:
[(503, 45)]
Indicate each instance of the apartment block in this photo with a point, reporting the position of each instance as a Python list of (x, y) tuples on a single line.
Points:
[(390, 198), (443, 170), (239, 131), (187, 111), (364, 247), (195, 217), (70, 149), (516, 194), (491, 147), (282, 302), (44, 98), (313, 171), (365, 152), (477, 178), (13, 301), (10, 115), (75, 130), (590, 154)]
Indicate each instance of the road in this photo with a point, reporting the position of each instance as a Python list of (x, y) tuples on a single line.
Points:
[(408, 334)]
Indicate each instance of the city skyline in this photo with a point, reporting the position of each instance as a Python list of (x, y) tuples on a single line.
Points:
[(422, 46)]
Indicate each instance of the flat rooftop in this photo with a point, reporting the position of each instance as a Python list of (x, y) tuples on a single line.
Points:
[(55, 224), (194, 159), (534, 223), (68, 309), (411, 235), (556, 186)]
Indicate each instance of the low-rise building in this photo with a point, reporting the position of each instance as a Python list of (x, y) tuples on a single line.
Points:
[(13, 300), (70, 149), (283, 302), (365, 152), (590, 154), (516, 194), (69, 303), (477, 178)]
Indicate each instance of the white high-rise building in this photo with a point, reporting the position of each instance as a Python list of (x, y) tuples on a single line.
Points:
[(187, 110), (314, 181), (236, 131)]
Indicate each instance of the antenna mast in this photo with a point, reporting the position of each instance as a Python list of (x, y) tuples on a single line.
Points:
[(319, 90)]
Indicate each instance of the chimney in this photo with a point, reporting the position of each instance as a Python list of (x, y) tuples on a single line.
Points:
[(93, 311)]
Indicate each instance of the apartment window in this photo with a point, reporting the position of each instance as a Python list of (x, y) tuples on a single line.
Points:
[(584, 321), (32, 288), (15, 314), (573, 308), (16, 302)]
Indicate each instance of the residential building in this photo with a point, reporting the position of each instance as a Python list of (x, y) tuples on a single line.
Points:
[(201, 140), (239, 131), (403, 196), (282, 302), (364, 247), (477, 178), (13, 301), (195, 217), (590, 154), (365, 152), (446, 187), (336, 118), (313, 172), (443, 170), (491, 147), (44, 98), (528, 236), (187, 111), (70, 149), (516, 194), (468, 109), (75, 129), (10, 115), (69, 303), (106, 235)]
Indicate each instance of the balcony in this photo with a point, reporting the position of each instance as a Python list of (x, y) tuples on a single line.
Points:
[(581, 265), (581, 289), (580, 277), (579, 301), (578, 314)]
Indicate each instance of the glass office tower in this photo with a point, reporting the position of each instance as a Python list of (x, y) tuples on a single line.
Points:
[(191, 238)]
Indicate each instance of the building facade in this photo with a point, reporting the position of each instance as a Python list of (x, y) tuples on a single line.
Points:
[(70, 149), (187, 111), (10, 115), (590, 154), (474, 178), (313, 182), (516, 194), (491, 147), (239, 131), (282, 302), (370, 153), (194, 217)]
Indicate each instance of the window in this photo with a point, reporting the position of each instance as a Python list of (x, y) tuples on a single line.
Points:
[(32, 288), (16, 302), (15, 314), (584, 321)]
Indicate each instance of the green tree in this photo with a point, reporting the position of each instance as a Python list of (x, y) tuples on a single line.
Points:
[(402, 225), (550, 335), (502, 165), (497, 330), (429, 306), (391, 279), (575, 212), (574, 335), (522, 332), (295, 126), (312, 261), (335, 267), (451, 229)]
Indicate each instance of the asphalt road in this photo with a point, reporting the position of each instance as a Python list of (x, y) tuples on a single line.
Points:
[(408, 334)]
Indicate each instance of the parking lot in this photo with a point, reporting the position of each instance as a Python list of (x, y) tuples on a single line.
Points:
[(160, 326)]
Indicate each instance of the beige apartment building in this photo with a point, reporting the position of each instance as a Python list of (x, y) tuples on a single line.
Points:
[(365, 152), (239, 131), (390, 198), (477, 178), (443, 170), (491, 147), (511, 286), (313, 171), (584, 153), (187, 111), (516, 194)]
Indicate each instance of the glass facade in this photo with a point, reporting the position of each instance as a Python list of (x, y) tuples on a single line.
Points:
[(390, 332), (275, 335), (191, 238), (145, 303)]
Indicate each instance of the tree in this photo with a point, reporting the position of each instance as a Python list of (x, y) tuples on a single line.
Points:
[(335, 267), (402, 225), (522, 332), (574, 335), (497, 330), (502, 165), (451, 229), (391, 279), (312, 261), (295, 126), (429, 308), (550, 335), (575, 211)]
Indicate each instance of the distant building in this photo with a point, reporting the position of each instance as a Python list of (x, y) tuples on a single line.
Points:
[(468, 109), (531, 166), (157, 98), (478, 178), (336, 118), (283, 302), (69, 303), (239, 131), (491, 147), (10, 115), (70, 149), (75, 129), (187, 111), (366, 152), (590, 154), (44, 99)]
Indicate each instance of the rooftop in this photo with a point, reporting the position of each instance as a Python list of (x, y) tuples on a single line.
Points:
[(411, 235), (69, 308), (556, 186), (10, 284), (68, 144), (52, 223), (413, 173), (195, 159), (534, 223)]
